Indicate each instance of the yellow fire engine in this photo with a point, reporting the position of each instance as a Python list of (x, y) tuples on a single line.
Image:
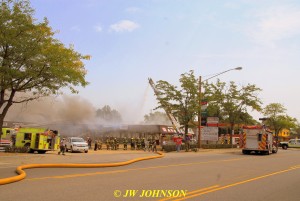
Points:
[(33, 139)]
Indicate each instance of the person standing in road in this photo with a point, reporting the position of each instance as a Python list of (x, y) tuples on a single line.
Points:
[(154, 146), (62, 146), (132, 144), (164, 143), (138, 143), (89, 141), (147, 145), (143, 143), (125, 142), (96, 145), (178, 143), (187, 143), (100, 144), (107, 143), (150, 144)]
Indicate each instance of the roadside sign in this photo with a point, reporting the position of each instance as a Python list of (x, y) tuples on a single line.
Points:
[(209, 133), (212, 120)]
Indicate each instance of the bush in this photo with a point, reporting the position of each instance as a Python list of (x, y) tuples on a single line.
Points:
[(194, 146), (218, 146)]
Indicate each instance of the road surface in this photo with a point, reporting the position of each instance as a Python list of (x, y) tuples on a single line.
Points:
[(207, 175)]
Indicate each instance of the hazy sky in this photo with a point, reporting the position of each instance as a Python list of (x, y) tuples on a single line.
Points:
[(131, 40)]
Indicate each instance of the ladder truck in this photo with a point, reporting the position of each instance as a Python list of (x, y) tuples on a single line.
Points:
[(175, 123)]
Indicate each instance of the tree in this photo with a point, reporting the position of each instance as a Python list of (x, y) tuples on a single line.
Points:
[(277, 119), (109, 115), (231, 103), (32, 62), (156, 118), (183, 102)]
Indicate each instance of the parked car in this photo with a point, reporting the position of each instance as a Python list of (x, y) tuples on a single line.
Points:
[(293, 143), (76, 144)]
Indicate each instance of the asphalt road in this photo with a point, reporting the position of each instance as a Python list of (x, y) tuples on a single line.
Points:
[(210, 175)]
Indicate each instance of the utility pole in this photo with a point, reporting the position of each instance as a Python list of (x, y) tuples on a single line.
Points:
[(199, 113)]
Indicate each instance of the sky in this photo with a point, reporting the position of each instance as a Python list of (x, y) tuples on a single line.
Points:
[(132, 40)]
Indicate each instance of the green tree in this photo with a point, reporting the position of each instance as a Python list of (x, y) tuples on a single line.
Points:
[(182, 102), (109, 115), (32, 62), (231, 103), (277, 119), (156, 118)]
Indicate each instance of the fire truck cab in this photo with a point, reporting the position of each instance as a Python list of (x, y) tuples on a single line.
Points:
[(257, 139)]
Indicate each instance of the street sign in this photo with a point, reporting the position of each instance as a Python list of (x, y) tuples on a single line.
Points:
[(203, 107)]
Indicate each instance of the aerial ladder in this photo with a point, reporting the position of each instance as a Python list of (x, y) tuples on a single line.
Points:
[(175, 123)]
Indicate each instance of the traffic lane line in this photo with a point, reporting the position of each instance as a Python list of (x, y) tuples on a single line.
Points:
[(238, 183), (4, 163), (192, 192), (77, 175)]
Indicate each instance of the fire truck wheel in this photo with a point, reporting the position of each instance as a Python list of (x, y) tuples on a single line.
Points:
[(274, 151)]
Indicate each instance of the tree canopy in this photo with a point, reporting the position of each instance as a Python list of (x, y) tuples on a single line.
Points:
[(156, 118), (277, 119), (109, 115), (181, 102), (32, 61), (231, 103)]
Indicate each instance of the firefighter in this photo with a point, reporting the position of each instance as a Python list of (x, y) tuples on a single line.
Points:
[(107, 143), (150, 144), (138, 142), (187, 143), (154, 146), (146, 145), (116, 144), (143, 144), (62, 146), (125, 142), (111, 144), (100, 144), (89, 141), (96, 145), (132, 144)]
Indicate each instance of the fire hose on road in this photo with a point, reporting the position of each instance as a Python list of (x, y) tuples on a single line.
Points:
[(22, 173)]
